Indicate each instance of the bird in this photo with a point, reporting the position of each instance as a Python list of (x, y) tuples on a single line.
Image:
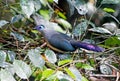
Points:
[(61, 42)]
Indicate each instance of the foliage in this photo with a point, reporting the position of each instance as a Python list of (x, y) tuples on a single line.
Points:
[(23, 56)]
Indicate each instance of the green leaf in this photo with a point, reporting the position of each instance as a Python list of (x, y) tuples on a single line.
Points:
[(87, 67), (64, 23), (3, 22), (22, 69), (47, 73), (45, 14), (92, 62), (84, 79), (51, 1), (61, 15), (62, 62), (5, 75), (112, 41), (109, 10), (27, 7), (34, 31), (69, 73), (78, 65), (51, 56), (35, 57)]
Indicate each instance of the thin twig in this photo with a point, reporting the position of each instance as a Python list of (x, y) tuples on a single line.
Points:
[(75, 61), (27, 45), (118, 76), (101, 75), (43, 45)]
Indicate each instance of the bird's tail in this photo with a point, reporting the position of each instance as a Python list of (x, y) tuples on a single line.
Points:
[(87, 46)]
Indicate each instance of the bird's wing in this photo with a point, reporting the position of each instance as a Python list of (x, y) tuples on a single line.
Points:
[(60, 41)]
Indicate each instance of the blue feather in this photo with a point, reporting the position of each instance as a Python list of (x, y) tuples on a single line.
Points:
[(87, 46)]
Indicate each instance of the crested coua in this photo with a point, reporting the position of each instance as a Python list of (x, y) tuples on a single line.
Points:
[(63, 43)]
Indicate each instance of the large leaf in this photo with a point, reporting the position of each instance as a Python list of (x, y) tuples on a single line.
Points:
[(3, 63), (110, 1), (112, 26), (27, 7), (80, 28), (10, 68), (35, 57), (112, 41), (100, 30), (22, 69), (17, 36), (61, 76), (3, 22), (105, 69), (11, 55), (70, 73), (76, 73), (37, 5), (51, 56), (2, 57), (16, 18), (5, 75)]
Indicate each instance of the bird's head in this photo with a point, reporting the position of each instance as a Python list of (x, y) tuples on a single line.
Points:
[(39, 27)]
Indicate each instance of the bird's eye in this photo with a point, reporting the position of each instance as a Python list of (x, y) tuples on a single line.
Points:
[(41, 27)]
